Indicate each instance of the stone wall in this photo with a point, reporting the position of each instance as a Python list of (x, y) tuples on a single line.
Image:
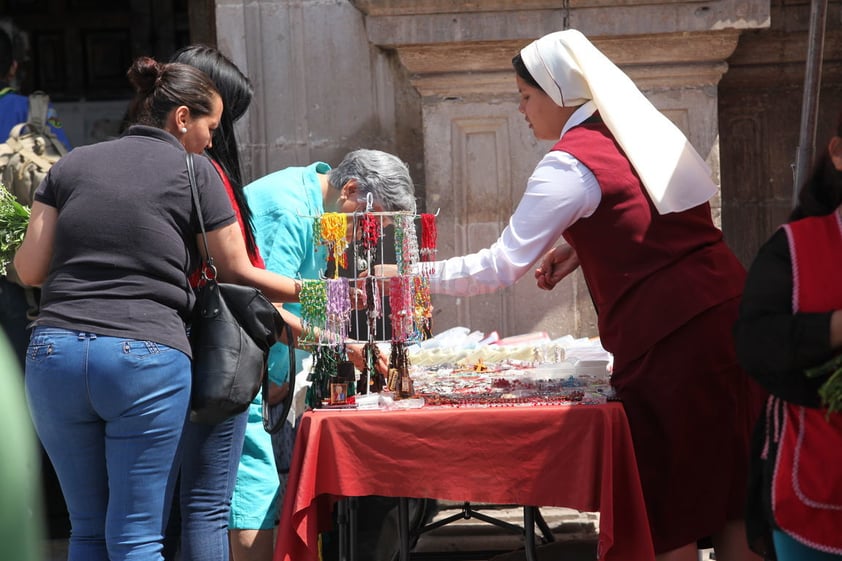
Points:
[(321, 89)]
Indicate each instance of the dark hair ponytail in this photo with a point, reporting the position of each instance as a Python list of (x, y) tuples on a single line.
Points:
[(161, 87)]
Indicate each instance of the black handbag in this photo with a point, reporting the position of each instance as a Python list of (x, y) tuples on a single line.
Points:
[(232, 329)]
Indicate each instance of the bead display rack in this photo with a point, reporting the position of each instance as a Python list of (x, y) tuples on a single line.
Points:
[(327, 304)]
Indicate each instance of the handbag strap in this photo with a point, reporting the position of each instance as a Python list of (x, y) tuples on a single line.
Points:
[(207, 261), (270, 424), (273, 420)]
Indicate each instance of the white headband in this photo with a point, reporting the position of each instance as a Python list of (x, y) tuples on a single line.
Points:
[(572, 71)]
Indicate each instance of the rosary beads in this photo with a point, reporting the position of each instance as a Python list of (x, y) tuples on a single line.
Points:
[(326, 361), (429, 242), (326, 305), (373, 310), (338, 316), (313, 299), (334, 231), (406, 244), (368, 239), (401, 308)]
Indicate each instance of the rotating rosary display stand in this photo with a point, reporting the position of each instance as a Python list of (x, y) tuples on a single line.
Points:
[(354, 242)]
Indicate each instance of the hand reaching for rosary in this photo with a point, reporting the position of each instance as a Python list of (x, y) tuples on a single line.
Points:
[(356, 354), (356, 295)]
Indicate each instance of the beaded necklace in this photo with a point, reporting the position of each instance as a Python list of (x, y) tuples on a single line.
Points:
[(371, 381), (399, 380), (373, 309), (338, 310), (369, 236), (326, 359), (401, 312), (429, 241), (313, 299), (334, 231), (423, 307), (406, 244)]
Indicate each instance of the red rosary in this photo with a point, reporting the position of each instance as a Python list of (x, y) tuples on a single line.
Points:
[(429, 239)]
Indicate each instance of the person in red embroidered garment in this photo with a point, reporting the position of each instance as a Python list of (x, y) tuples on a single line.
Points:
[(790, 322)]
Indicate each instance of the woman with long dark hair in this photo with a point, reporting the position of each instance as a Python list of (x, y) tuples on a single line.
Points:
[(212, 454)]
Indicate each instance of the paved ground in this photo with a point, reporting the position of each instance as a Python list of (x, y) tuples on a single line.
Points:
[(574, 532), (469, 538)]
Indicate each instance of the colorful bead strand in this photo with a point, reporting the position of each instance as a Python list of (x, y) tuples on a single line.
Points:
[(334, 230), (338, 311), (325, 366), (406, 243), (423, 309), (429, 241), (313, 299), (370, 226), (373, 309), (317, 232), (400, 302)]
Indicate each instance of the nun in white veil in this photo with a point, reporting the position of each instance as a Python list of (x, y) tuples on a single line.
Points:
[(565, 76), (629, 194)]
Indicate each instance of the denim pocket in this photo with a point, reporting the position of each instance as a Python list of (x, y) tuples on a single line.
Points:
[(42, 343), (143, 349), (39, 351)]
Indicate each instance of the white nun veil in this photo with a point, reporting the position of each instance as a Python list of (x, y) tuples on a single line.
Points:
[(572, 71)]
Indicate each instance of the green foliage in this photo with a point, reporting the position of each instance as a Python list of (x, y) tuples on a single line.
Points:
[(830, 391), (14, 218)]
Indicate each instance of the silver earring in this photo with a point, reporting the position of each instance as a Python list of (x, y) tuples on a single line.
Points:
[(183, 130)]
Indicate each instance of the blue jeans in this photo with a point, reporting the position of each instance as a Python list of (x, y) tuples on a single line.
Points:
[(211, 454), (109, 412)]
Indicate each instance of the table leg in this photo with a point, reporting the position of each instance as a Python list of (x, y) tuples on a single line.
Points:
[(542, 525), (529, 533), (342, 529), (353, 510), (403, 527)]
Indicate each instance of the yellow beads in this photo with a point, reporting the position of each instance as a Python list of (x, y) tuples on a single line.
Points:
[(334, 231)]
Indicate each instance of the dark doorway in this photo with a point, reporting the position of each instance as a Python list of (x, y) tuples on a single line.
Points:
[(78, 51)]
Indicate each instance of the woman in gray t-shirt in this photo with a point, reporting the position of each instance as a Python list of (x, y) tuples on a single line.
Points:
[(111, 240)]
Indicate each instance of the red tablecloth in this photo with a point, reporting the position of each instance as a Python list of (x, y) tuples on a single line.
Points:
[(576, 456)]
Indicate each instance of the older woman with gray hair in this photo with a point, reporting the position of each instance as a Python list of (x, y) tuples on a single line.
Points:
[(382, 174), (283, 206), (628, 194)]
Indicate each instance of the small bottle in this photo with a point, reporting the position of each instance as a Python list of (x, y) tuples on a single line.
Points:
[(406, 385)]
